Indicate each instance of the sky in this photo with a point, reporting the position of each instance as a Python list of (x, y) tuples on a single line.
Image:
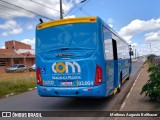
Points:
[(137, 21)]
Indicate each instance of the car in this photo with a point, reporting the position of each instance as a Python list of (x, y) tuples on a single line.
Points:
[(16, 68), (32, 68)]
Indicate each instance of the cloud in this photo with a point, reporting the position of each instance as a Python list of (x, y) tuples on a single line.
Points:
[(152, 36), (30, 42), (144, 49), (29, 27), (77, 1), (110, 21), (10, 27), (4, 34), (138, 26), (2, 47), (16, 31), (71, 16), (134, 44), (38, 6), (111, 25)]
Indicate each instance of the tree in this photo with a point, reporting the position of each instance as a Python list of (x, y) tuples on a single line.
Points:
[(152, 87), (150, 57)]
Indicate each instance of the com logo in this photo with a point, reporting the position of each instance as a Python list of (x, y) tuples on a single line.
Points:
[(61, 67)]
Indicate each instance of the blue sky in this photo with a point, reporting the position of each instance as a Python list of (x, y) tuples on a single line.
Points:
[(138, 21)]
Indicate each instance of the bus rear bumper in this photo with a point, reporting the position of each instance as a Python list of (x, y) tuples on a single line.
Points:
[(94, 91)]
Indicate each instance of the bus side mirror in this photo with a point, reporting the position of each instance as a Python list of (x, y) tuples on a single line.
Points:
[(131, 53)]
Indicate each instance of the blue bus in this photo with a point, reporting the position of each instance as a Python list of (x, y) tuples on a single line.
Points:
[(80, 57)]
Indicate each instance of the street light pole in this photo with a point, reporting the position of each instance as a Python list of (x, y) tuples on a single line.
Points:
[(130, 54), (61, 10), (150, 49), (135, 52)]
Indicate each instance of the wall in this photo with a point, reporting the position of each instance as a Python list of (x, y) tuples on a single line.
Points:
[(15, 45)]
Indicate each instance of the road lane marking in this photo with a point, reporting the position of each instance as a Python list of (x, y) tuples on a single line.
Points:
[(128, 95), (124, 103)]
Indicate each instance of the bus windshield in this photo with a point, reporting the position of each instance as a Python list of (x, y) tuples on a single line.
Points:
[(80, 35)]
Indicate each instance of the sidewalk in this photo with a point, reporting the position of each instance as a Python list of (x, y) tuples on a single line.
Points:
[(136, 102)]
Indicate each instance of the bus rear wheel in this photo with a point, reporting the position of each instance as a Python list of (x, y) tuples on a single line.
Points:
[(128, 77), (119, 89), (120, 84)]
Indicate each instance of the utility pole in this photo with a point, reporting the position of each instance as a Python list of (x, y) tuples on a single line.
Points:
[(61, 10), (135, 53), (150, 49)]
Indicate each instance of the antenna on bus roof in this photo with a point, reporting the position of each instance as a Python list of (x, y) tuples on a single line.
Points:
[(41, 21)]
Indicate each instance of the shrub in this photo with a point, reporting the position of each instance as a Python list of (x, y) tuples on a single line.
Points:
[(150, 57), (152, 87)]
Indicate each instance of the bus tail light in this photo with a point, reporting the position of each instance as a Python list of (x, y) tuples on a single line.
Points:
[(98, 76), (38, 76)]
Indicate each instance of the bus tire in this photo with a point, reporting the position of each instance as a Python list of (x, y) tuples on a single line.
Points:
[(119, 89), (128, 77), (120, 84)]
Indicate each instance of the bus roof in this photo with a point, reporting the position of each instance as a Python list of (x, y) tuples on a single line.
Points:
[(66, 21), (77, 20)]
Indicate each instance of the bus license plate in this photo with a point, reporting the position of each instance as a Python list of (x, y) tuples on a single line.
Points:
[(66, 83)]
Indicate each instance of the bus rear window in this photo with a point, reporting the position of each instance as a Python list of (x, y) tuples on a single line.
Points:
[(81, 35)]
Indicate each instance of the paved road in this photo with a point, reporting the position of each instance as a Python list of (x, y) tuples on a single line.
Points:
[(30, 101)]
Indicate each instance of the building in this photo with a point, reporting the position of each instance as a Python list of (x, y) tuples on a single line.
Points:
[(15, 45), (16, 53)]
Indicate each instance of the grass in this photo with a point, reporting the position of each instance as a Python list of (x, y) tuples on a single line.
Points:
[(14, 83), (150, 64)]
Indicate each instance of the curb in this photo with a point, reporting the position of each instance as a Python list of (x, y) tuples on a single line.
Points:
[(121, 99)]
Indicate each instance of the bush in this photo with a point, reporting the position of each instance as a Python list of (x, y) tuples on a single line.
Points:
[(150, 57), (152, 87)]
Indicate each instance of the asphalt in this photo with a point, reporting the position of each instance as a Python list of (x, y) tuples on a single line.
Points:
[(30, 101)]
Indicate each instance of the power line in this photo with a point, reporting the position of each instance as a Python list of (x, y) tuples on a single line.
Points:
[(85, 12), (44, 5), (27, 10), (72, 9), (67, 0), (10, 14), (10, 7), (5, 15), (68, 5), (75, 7), (80, 8)]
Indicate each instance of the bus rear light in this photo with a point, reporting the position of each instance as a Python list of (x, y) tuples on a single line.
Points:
[(38, 76), (40, 26), (93, 20), (98, 76)]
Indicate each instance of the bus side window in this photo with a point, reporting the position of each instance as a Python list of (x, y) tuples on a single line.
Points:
[(108, 48)]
